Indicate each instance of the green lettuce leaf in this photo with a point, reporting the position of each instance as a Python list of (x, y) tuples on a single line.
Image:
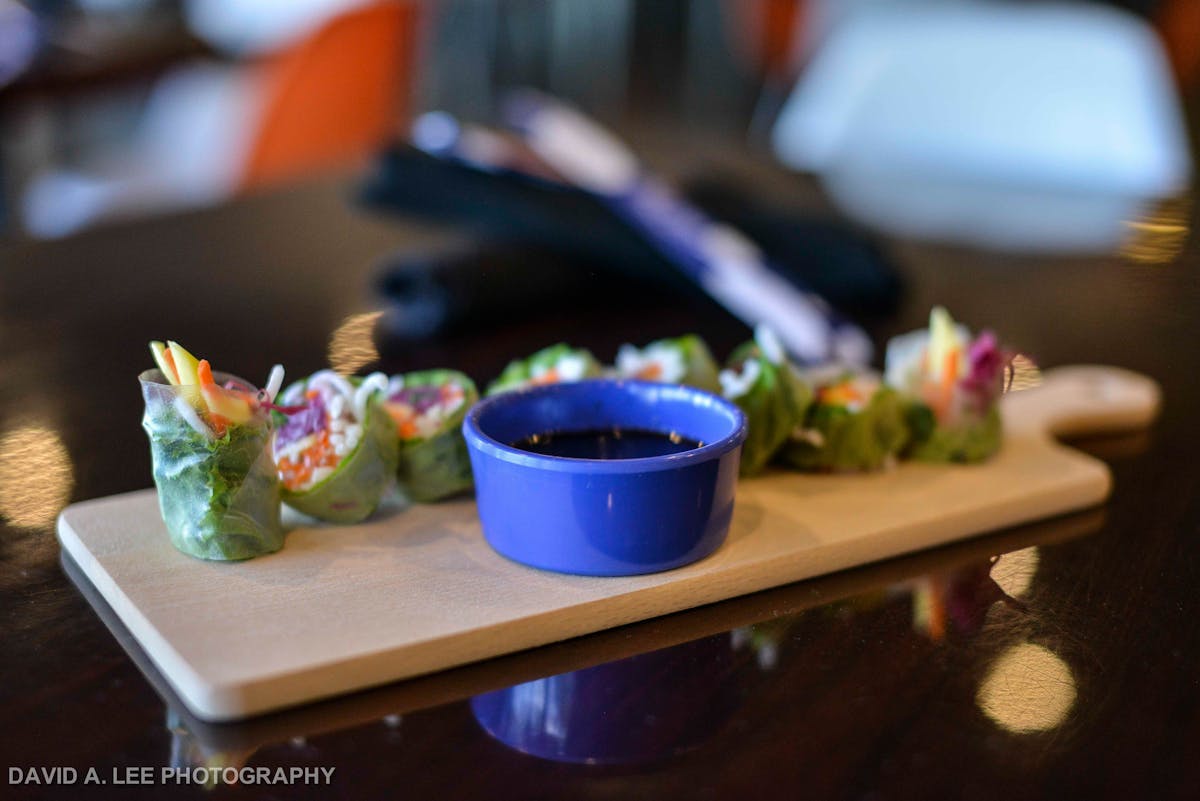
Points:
[(700, 368), (357, 485), (774, 405), (519, 372), (219, 497), (838, 439), (437, 467), (973, 439)]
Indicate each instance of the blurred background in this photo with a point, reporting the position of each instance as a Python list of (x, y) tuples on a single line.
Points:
[(370, 184), (1018, 127)]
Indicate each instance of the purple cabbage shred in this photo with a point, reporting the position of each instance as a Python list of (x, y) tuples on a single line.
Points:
[(987, 363), (308, 420), (421, 399)]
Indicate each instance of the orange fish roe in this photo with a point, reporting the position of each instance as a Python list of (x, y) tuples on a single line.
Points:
[(296, 473)]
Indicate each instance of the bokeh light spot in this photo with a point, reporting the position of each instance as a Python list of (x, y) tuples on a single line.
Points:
[(352, 345), (1014, 571), (36, 476), (1028, 689)]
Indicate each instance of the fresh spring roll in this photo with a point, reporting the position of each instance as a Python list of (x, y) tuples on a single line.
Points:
[(428, 408), (855, 423), (771, 393), (954, 382), (682, 360), (210, 436), (557, 363), (337, 452)]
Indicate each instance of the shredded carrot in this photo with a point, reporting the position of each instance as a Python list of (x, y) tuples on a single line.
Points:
[(170, 360), (408, 429), (843, 394), (219, 423), (399, 411), (650, 372), (295, 474), (950, 369), (204, 373), (945, 390)]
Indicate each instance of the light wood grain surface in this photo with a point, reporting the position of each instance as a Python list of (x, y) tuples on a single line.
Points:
[(418, 590)]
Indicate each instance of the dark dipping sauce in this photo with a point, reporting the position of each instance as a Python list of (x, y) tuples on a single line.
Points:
[(608, 443)]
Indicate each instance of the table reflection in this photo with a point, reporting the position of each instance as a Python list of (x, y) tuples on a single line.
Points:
[(638, 709), (1028, 689), (651, 693)]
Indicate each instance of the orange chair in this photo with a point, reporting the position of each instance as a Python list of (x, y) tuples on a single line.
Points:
[(213, 130), (766, 33), (1179, 24), (336, 95)]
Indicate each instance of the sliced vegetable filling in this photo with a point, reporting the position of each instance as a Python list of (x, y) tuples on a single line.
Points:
[(555, 364), (428, 408), (681, 360), (954, 382), (316, 438), (851, 392), (420, 412), (568, 367), (943, 367), (656, 362)]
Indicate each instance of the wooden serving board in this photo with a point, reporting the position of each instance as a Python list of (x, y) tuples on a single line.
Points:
[(419, 590)]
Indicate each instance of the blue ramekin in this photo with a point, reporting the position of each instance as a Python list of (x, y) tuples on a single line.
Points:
[(605, 517)]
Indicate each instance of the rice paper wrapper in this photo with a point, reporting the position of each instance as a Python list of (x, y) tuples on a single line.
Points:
[(520, 372), (219, 496), (439, 466), (774, 405), (840, 440), (358, 484), (974, 438)]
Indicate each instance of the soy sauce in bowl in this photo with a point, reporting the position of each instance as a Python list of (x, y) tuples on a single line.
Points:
[(612, 514), (608, 443)]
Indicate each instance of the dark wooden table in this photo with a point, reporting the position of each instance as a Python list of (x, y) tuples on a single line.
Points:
[(915, 678)]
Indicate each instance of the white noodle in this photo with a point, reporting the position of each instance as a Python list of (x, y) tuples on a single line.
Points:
[(186, 411), (334, 381), (375, 382), (629, 360), (735, 384), (768, 343), (274, 382), (570, 367)]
